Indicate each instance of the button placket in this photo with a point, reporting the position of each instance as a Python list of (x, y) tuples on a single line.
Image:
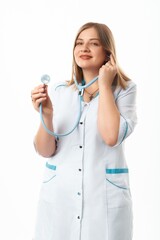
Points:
[(79, 192)]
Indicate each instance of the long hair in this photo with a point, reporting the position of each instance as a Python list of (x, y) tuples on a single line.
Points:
[(108, 43)]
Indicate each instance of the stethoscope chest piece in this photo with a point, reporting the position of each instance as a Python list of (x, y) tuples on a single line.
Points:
[(45, 79)]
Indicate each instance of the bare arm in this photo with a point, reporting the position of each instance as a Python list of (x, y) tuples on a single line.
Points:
[(108, 114), (45, 144)]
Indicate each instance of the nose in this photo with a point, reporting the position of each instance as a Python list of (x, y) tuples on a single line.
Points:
[(85, 48)]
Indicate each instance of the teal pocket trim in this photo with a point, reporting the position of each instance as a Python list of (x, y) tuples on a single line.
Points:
[(116, 170), (125, 188), (52, 167), (49, 179)]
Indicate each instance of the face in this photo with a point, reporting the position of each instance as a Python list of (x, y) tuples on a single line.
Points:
[(89, 53)]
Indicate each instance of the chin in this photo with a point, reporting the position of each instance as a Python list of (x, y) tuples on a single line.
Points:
[(87, 66)]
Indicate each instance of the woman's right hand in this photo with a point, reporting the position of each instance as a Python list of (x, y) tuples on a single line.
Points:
[(40, 95)]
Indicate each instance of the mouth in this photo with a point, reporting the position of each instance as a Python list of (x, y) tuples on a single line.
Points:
[(85, 57)]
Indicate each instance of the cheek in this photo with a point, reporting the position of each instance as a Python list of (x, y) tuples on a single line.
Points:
[(76, 51), (75, 54), (102, 58)]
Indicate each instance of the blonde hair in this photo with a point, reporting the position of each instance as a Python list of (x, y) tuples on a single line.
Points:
[(107, 41)]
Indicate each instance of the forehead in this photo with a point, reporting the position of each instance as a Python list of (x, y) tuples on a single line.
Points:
[(88, 33)]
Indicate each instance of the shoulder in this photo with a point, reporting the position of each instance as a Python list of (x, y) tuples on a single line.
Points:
[(61, 89), (57, 86)]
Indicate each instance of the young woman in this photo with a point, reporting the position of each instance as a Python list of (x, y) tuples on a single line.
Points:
[(85, 194)]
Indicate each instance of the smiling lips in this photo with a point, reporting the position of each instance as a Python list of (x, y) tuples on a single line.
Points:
[(85, 57)]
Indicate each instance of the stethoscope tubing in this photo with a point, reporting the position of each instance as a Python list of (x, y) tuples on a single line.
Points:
[(81, 87), (80, 95), (57, 135)]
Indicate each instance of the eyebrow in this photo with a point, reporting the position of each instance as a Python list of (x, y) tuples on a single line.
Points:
[(89, 39)]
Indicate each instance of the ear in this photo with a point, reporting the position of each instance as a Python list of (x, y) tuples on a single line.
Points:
[(108, 56), (107, 59)]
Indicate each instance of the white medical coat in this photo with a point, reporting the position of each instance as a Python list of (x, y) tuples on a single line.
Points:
[(85, 193)]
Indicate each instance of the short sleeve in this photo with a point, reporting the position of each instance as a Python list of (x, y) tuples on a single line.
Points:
[(126, 103)]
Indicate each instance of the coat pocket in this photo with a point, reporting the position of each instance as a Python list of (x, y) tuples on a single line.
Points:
[(117, 185), (49, 187), (50, 173)]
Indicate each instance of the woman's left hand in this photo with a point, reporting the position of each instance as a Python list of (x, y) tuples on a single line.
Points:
[(107, 73)]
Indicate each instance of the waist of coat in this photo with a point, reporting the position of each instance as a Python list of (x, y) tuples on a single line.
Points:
[(108, 170)]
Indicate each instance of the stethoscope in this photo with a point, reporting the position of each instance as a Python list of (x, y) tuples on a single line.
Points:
[(45, 79)]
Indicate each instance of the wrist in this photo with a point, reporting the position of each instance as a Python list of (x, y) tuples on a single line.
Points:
[(105, 85), (48, 117)]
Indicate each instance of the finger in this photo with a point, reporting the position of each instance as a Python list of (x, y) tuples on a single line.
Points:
[(39, 86), (38, 90), (46, 89), (40, 100), (108, 64), (38, 95), (37, 103)]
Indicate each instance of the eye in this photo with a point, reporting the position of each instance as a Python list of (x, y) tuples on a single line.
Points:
[(94, 43), (79, 43)]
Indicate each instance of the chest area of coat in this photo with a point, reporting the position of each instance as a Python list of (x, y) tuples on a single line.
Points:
[(71, 110)]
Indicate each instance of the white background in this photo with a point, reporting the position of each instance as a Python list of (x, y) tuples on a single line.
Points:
[(36, 37)]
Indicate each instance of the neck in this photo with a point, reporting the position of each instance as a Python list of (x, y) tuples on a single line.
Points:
[(92, 88), (89, 75)]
